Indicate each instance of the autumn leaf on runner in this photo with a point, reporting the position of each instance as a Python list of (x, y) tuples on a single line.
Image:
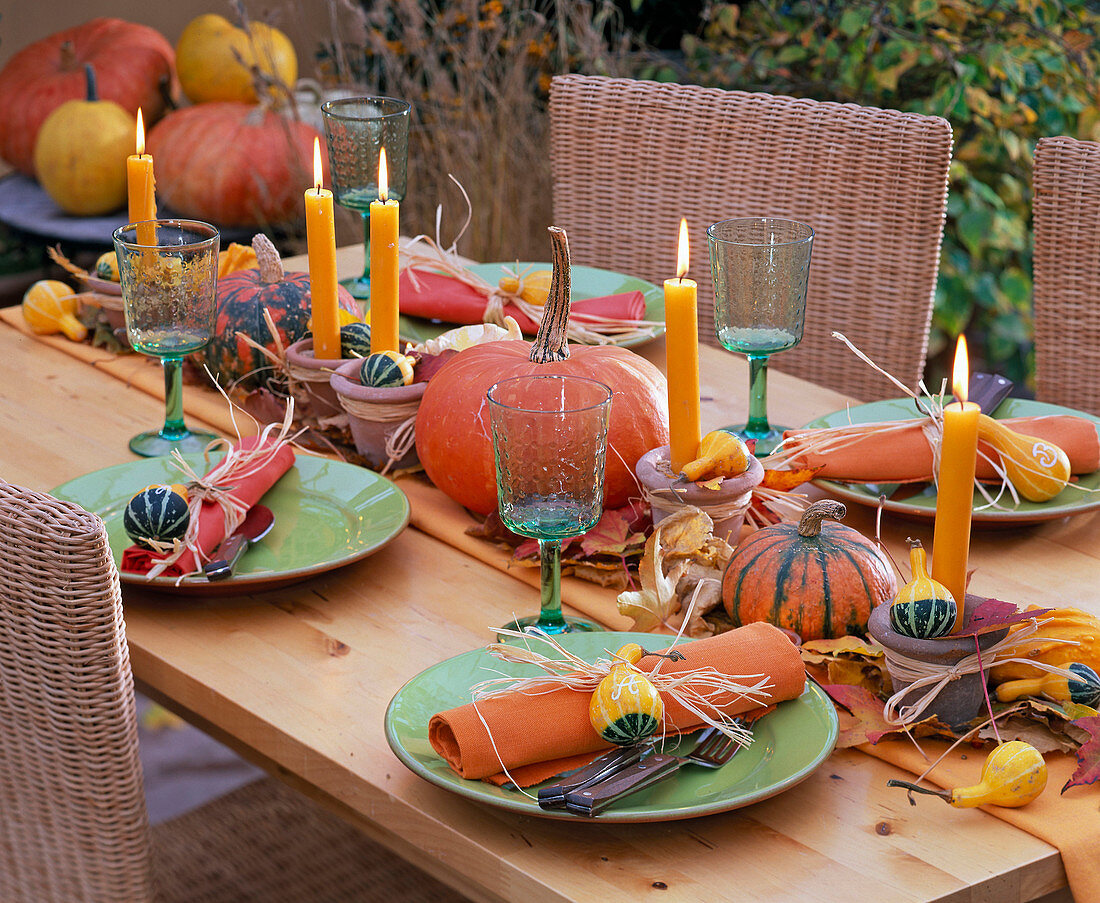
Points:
[(1088, 754), (613, 535), (861, 719), (993, 614)]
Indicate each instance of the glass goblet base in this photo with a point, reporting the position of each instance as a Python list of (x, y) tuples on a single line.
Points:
[(155, 443), (566, 625), (766, 439), (358, 286)]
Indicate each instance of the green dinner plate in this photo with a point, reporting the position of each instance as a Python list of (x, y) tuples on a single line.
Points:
[(327, 514), (1070, 500), (586, 282), (789, 743)]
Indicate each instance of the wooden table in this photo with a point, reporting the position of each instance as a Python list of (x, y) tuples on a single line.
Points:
[(298, 681)]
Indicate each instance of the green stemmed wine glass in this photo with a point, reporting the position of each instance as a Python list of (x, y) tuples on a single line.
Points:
[(169, 274), (550, 443), (761, 266), (356, 130)]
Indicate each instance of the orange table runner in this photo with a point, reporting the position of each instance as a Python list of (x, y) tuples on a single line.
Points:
[(1071, 822)]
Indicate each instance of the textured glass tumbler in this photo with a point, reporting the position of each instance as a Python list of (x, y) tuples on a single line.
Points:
[(550, 445), (169, 274), (761, 267), (356, 130)]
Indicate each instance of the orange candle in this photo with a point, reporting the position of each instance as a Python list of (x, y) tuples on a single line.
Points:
[(141, 188), (321, 245), (955, 484), (682, 355), (384, 309)]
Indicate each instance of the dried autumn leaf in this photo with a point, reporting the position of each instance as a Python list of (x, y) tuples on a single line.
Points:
[(786, 480), (841, 644), (714, 484), (684, 532), (861, 718), (993, 614), (1088, 755), (611, 536), (656, 601)]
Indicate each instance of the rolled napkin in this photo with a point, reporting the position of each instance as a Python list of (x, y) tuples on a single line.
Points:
[(435, 296), (247, 491), (902, 454), (540, 735)]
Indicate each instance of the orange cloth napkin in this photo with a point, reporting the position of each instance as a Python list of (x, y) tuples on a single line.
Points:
[(439, 297), (1069, 821), (904, 455), (211, 518), (534, 733)]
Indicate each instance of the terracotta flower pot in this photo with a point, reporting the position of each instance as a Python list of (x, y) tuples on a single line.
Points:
[(726, 505), (961, 699), (376, 415), (315, 375)]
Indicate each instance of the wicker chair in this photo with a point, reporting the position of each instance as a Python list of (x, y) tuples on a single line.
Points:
[(73, 826), (1067, 266), (629, 158)]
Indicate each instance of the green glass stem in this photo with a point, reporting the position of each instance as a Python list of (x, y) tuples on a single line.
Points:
[(366, 248), (550, 617), (757, 425), (174, 427)]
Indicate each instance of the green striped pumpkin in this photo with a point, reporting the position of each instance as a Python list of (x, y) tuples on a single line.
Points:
[(924, 608), (157, 513), (1085, 690), (386, 369), (354, 340), (626, 708)]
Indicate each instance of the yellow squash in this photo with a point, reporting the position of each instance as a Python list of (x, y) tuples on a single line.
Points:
[(721, 454), (1014, 774), (1044, 646), (626, 708), (1038, 469), (50, 306)]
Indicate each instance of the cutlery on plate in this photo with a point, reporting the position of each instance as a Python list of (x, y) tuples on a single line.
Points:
[(612, 761), (255, 526), (713, 750), (988, 390)]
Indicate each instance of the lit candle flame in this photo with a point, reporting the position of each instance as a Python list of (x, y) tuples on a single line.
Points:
[(960, 376), (682, 251), (318, 175), (140, 134), (383, 177)]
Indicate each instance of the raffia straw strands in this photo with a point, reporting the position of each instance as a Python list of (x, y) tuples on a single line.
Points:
[(671, 497), (935, 678)]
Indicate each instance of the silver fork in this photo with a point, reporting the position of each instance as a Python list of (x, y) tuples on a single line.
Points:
[(713, 750)]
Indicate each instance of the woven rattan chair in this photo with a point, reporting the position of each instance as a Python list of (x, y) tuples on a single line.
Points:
[(630, 158), (73, 826), (1067, 270)]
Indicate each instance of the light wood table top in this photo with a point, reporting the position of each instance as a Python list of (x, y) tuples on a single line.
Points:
[(298, 680)]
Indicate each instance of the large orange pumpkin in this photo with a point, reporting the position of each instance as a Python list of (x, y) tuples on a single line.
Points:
[(233, 164), (453, 439), (134, 65), (816, 578)]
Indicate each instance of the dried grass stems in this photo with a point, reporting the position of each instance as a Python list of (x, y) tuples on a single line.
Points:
[(477, 73)]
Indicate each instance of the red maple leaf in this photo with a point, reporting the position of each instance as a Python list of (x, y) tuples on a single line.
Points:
[(993, 614), (1088, 754)]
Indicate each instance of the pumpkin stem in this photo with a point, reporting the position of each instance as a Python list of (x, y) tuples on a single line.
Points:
[(810, 523), (270, 264), (552, 342), (68, 56), (89, 80)]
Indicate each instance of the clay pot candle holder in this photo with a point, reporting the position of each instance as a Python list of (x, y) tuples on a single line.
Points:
[(725, 504), (962, 698), (314, 375), (381, 419)]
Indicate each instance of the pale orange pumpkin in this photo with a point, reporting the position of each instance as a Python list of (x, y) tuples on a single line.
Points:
[(453, 439)]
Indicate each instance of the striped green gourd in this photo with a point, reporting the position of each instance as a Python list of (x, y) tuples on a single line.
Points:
[(626, 708), (354, 340), (156, 514), (924, 608), (386, 369)]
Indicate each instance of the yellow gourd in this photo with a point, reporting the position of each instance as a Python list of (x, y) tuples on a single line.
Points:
[(1084, 690), (1014, 774), (720, 454), (214, 60), (106, 266), (533, 287), (626, 707), (1038, 469), (50, 306), (1060, 624)]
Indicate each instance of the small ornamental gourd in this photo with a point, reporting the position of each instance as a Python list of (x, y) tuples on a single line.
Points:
[(1044, 645), (625, 707), (50, 306), (1038, 469), (354, 340), (1013, 775), (533, 287), (924, 608), (386, 369), (106, 267), (1085, 690), (721, 454), (157, 514)]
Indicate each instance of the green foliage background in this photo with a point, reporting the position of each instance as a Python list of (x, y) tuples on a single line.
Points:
[(1003, 73)]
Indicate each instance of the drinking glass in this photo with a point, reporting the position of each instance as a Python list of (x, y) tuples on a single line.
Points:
[(760, 266), (169, 273), (550, 442), (356, 129)]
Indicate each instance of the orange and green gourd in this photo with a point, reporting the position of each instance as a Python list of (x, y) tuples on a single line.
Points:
[(157, 514), (355, 340), (626, 707), (1014, 774), (386, 369), (924, 608), (1085, 690)]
